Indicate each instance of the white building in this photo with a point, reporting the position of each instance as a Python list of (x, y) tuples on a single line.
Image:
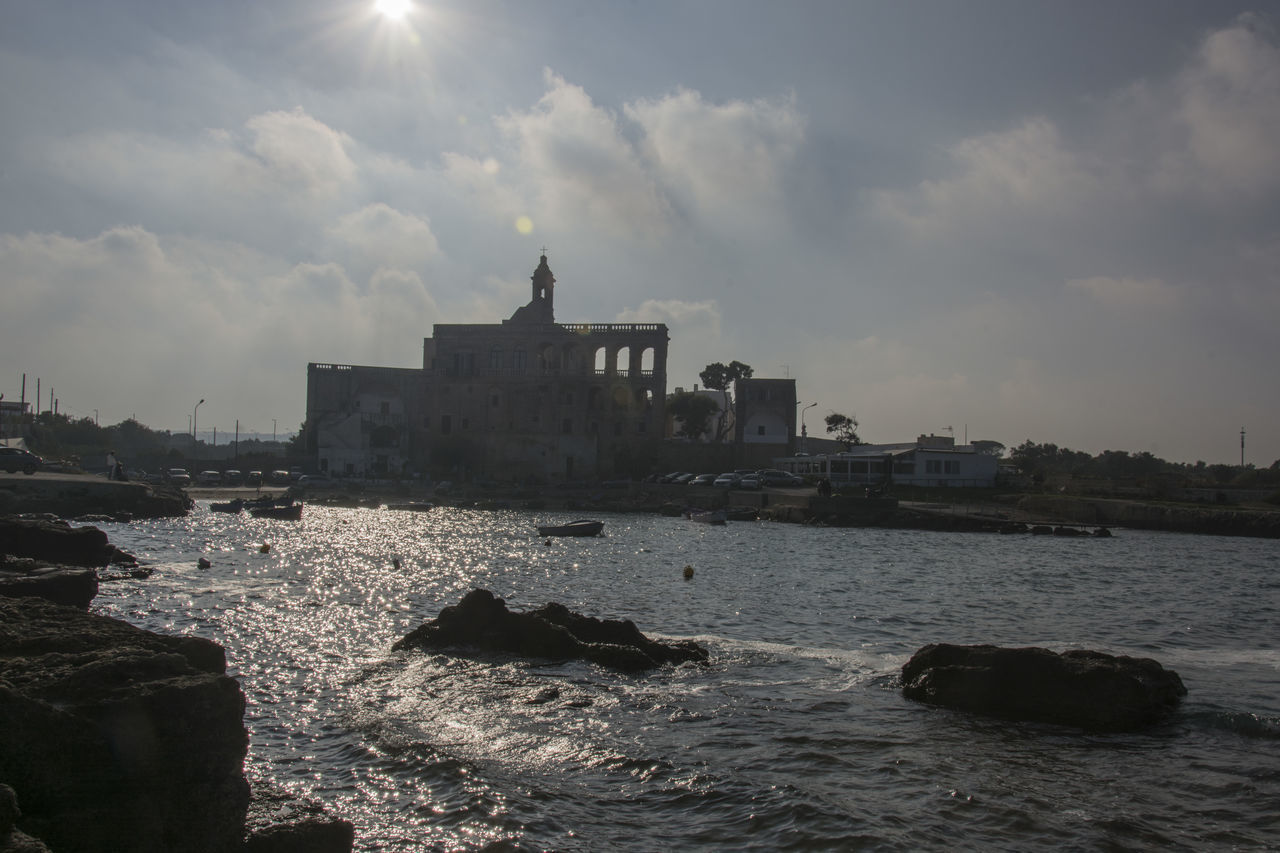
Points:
[(931, 460)]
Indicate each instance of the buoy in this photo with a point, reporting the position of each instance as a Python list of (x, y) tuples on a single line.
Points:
[(688, 572), (264, 549), (547, 543), (203, 563), (395, 561)]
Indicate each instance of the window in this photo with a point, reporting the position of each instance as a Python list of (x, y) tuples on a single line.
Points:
[(566, 426), (464, 363), (385, 409), (951, 466), (933, 466), (495, 358), (519, 359), (760, 430), (446, 424)]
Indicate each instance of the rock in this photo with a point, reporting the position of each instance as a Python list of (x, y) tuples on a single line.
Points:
[(69, 585), (84, 495), (482, 621), (279, 822), (58, 542), (115, 738), (12, 839), (1085, 689)]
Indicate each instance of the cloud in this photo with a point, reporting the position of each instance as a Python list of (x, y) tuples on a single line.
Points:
[(998, 179), (1127, 293), (156, 320), (300, 153), (579, 169), (675, 313), (380, 236), (725, 160), (1228, 106)]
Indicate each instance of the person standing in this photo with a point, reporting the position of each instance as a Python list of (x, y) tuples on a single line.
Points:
[(111, 464)]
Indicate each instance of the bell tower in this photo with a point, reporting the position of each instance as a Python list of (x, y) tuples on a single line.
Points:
[(544, 284)]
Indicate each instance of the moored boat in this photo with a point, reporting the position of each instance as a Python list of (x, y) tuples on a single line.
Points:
[(581, 527), (411, 506), (706, 516), (286, 512), (233, 506)]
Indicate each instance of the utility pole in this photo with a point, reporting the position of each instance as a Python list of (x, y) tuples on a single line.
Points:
[(1241, 447)]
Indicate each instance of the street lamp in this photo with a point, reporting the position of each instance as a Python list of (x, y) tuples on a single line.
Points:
[(194, 431), (804, 430)]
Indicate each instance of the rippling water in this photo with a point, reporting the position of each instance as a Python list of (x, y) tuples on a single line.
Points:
[(795, 737)]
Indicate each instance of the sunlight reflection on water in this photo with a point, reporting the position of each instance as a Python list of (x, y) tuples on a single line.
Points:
[(793, 735)]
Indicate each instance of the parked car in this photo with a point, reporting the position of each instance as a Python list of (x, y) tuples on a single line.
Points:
[(728, 480), (703, 480), (209, 478), (253, 478), (682, 478), (749, 481), (775, 479), (314, 481), (280, 477), (15, 458), (177, 476), (232, 477)]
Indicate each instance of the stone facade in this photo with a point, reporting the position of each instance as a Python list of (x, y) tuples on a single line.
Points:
[(524, 399)]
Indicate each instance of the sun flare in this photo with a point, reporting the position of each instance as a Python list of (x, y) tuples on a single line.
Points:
[(395, 10)]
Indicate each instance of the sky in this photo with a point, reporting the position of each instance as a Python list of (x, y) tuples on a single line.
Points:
[(1003, 220)]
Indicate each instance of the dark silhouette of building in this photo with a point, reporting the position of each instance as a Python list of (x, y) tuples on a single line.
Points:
[(527, 398)]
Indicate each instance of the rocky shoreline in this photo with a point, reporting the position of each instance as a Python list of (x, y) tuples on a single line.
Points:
[(116, 738)]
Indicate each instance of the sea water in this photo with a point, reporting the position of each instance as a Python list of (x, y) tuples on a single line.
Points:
[(794, 737)]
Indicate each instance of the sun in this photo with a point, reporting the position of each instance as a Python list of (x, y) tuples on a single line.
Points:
[(395, 10)]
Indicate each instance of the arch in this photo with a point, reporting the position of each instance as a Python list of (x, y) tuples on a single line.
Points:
[(570, 357), (600, 360), (647, 359), (622, 361), (548, 358)]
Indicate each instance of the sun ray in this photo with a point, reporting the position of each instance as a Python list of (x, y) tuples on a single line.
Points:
[(395, 10)]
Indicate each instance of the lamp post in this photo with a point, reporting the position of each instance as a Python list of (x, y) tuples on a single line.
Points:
[(194, 428), (804, 430)]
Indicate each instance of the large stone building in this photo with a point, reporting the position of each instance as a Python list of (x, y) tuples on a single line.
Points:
[(527, 398)]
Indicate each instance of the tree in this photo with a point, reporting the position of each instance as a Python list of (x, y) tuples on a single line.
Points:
[(844, 428), (988, 448), (694, 412), (719, 377)]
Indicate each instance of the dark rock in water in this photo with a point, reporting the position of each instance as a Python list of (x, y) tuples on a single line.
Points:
[(12, 839), (59, 542), (1086, 689), (115, 738), (279, 822), (69, 585), (482, 621)]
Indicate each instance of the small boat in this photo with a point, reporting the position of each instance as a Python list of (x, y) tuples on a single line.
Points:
[(285, 512), (706, 516), (581, 527), (412, 506), (232, 507)]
